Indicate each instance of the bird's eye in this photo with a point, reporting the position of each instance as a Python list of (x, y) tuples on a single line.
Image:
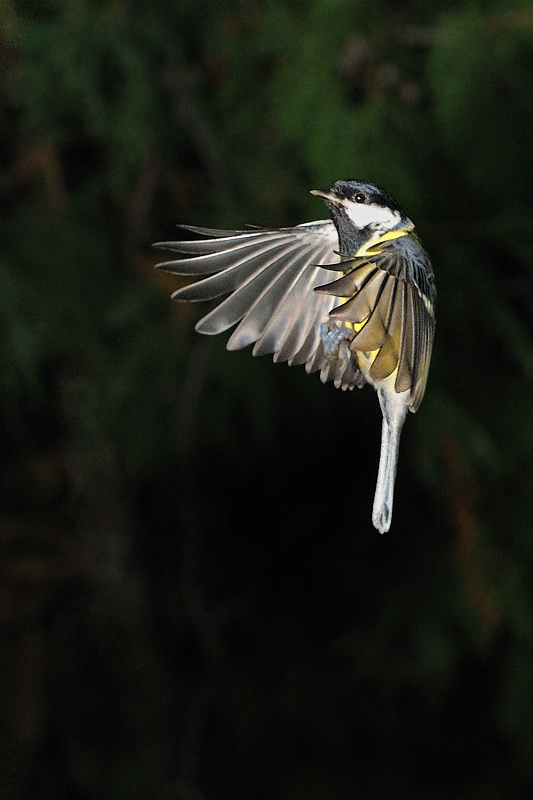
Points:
[(360, 197)]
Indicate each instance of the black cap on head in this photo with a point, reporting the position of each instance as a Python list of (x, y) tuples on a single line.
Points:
[(348, 189)]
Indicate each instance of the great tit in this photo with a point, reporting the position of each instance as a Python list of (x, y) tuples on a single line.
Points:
[(352, 297)]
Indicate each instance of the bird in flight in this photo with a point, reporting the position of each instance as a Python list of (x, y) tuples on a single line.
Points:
[(352, 298)]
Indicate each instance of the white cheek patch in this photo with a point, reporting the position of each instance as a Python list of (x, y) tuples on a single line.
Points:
[(379, 218)]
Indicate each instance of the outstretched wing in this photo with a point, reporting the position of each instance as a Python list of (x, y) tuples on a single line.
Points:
[(389, 301), (268, 276)]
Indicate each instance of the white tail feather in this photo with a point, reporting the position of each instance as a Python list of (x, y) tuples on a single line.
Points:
[(394, 408)]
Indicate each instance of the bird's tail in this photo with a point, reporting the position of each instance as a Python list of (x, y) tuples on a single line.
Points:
[(394, 410)]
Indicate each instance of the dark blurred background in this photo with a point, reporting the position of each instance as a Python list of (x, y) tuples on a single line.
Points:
[(194, 604)]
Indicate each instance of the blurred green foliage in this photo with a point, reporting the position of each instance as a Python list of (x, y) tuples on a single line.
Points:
[(193, 602)]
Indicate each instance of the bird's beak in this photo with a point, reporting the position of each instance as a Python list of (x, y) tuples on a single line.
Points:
[(326, 196)]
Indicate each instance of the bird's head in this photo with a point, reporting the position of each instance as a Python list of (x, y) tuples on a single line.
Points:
[(361, 211)]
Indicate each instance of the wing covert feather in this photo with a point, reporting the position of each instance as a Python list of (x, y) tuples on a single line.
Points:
[(392, 313)]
